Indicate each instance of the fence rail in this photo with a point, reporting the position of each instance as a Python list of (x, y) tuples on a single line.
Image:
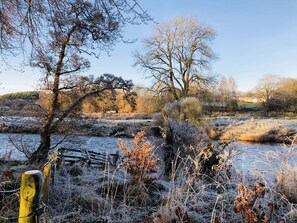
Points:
[(92, 158), (35, 184)]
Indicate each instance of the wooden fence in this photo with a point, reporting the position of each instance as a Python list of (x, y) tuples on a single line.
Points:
[(92, 158), (35, 184)]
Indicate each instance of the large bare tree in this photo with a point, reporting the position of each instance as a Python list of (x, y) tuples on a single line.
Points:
[(178, 55), (60, 34), (266, 90)]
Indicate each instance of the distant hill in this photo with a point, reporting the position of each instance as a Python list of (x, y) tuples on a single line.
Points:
[(20, 104), (26, 95)]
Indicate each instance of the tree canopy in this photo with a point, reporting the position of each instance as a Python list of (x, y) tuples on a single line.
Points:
[(49, 21), (60, 35), (177, 55)]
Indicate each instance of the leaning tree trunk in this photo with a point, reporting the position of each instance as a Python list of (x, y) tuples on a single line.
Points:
[(41, 154)]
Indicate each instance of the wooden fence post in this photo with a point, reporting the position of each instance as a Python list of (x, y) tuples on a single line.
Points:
[(30, 196), (46, 182), (60, 158), (54, 158)]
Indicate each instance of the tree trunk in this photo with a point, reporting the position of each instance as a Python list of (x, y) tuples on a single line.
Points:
[(169, 152), (41, 154)]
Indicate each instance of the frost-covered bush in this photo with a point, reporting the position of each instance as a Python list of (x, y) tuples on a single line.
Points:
[(139, 160), (186, 143), (186, 135), (286, 173), (189, 109), (190, 147)]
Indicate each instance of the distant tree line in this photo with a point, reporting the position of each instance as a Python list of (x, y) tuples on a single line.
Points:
[(113, 100), (277, 94)]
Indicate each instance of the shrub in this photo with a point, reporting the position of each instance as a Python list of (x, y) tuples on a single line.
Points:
[(140, 160), (183, 142), (189, 109), (232, 105), (246, 203), (286, 180)]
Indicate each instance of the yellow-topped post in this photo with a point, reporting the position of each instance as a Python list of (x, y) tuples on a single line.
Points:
[(30, 196), (46, 182)]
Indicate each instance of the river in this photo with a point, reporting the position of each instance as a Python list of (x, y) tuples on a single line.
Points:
[(31, 141), (249, 156)]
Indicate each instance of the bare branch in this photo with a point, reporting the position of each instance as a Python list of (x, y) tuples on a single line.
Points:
[(174, 53)]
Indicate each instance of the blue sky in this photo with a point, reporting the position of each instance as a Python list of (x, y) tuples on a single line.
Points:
[(254, 38)]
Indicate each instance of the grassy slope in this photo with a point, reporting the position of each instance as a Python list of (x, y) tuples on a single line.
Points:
[(26, 95)]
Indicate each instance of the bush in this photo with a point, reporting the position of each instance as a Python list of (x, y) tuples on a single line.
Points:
[(140, 160), (232, 105), (286, 180), (187, 109), (247, 203), (184, 142)]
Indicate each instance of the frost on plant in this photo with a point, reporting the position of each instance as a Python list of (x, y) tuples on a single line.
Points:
[(246, 203), (139, 160), (254, 206), (189, 109)]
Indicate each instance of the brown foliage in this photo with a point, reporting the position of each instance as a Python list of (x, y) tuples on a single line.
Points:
[(139, 160), (246, 201), (248, 204)]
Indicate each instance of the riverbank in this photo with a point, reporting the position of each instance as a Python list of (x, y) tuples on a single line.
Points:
[(81, 126), (255, 130), (249, 129)]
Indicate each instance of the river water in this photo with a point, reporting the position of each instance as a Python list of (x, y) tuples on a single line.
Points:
[(9, 142), (262, 158)]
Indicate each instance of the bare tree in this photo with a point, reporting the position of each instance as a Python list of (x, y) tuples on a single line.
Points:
[(286, 99), (266, 90), (177, 55), (232, 87), (61, 33), (223, 88), (227, 88)]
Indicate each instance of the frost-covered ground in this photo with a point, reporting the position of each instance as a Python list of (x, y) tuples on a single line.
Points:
[(83, 194), (109, 195), (256, 130), (19, 124), (80, 126), (18, 120)]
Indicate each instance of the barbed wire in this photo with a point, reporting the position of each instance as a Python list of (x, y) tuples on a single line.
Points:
[(9, 191), (37, 212)]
